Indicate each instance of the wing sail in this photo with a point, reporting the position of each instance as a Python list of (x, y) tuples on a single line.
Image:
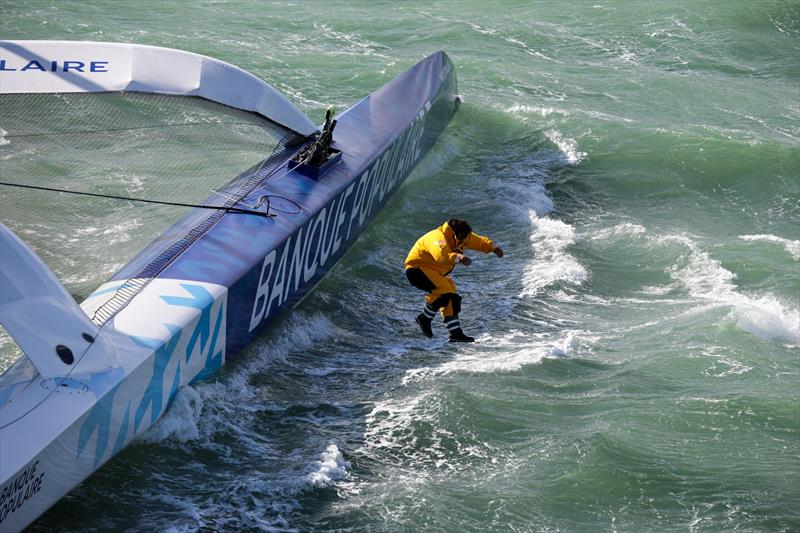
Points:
[(87, 66)]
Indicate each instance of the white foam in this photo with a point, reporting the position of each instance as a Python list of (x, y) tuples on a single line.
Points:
[(509, 353), (390, 426), (606, 116), (729, 366), (331, 467), (3, 140), (564, 346), (180, 420), (303, 333), (703, 276), (553, 264), (528, 50), (620, 230), (762, 315), (189, 509), (349, 42), (256, 503), (122, 232), (768, 318), (393, 427), (793, 247), (567, 146), (522, 111), (656, 290), (479, 29), (133, 183), (561, 296)]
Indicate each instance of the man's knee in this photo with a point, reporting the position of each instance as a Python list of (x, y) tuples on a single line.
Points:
[(456, 303), (448, 298)]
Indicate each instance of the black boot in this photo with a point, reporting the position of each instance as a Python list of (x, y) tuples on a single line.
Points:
[(424, 320), (454, 327), (424, 324), (457, 335)]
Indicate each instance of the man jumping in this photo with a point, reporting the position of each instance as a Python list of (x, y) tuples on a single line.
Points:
[(428, 264)]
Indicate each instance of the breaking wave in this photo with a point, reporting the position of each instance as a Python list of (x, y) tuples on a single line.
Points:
[(704, 277), (793, 247), (553, 264), (569, 147)]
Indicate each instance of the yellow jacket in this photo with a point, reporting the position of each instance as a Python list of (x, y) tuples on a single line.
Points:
[(440, 250)]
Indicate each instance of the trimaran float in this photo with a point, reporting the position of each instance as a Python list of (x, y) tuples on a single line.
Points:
[(95, 376)]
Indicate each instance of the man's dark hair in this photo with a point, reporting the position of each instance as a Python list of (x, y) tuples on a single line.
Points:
[(460, 227)]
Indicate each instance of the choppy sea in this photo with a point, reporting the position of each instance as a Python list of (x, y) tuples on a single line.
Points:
[(638, 357)]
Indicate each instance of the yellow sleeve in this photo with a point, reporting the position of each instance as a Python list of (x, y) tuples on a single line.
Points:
[(479, 243)]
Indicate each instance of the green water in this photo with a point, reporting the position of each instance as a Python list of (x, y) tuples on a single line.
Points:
[(639, 346)]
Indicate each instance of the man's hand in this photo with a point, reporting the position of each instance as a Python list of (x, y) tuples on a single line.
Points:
[(498, 252), (464, 260)]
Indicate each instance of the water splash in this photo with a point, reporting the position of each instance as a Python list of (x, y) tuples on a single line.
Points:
[(331, 467), (180, 420), (553, 264), (568, 147)]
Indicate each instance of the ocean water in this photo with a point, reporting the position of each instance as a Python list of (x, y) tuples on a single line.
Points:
[(638, 357)]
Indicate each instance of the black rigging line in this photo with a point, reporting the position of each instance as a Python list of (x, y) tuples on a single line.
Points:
[(216, 207)]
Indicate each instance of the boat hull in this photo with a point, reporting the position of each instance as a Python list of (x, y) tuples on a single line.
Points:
[(205, 304)]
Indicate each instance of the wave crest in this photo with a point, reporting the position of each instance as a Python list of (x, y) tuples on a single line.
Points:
[(793, 247), (553, 264), (704, 277)]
